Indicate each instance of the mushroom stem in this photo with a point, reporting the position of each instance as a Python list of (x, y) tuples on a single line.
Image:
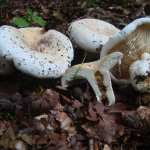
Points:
[(140, 73), (118, 81), (97, 74)]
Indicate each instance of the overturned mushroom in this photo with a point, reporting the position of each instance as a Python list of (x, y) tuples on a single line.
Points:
[(134, 42), (97, 74), (91, 34), (34, 51)]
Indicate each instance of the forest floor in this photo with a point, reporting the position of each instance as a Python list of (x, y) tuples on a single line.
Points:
[(41, 114)]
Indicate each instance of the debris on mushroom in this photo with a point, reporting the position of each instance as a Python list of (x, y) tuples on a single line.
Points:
[(91, 34), (134, 42), (34, 51), (97, 74)]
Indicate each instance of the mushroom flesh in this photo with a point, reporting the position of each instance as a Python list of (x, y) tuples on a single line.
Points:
[(97, 74)]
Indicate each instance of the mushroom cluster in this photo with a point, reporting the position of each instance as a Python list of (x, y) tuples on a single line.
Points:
[(90, 35), (34, 51), (131, 44), (134, 42)]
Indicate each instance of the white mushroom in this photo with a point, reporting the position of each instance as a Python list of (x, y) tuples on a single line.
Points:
[(134, 42), (34, 51), (91, 34), (97, 74)]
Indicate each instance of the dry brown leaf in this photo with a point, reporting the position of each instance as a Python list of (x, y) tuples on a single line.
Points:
[(50, 95), (65, 99), (126, 12), (99, 107), (59, 107), (43, 139), (26, 130), (8, 139), (131, 119), (106, 131), (121, 131), (92, 112), (7, 143), (117, 107), (89, 128), (66, 122), (9, 133), (46, 106), (27, 138), (144, 113), (2, 126), (76, 104), (53, 135), (87, 93)]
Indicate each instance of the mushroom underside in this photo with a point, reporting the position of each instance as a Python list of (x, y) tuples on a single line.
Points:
[(97, 74), (132, 47)]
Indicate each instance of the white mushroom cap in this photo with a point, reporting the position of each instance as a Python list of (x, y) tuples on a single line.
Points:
[(97, 74), (133, 41), (91, 34), (34, 51)]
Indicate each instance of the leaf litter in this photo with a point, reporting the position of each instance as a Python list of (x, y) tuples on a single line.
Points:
[(59, 118)]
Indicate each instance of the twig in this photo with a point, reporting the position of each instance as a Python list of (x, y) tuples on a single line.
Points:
[(91, 144)]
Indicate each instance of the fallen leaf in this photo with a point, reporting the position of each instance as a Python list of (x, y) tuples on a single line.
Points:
[(27, 138), (92, 112), (9, 133), (2, 126), (144, 113), (43, 139), (76, 104), (89, 128)]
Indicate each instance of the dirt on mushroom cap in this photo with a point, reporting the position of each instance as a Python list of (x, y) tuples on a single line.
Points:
[(91, 34), (46, 56)]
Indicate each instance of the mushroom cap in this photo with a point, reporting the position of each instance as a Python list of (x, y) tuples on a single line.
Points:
[(132, 41), (91, 34), (35, 52)]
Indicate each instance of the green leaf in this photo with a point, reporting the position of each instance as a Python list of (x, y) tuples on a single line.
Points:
[(20, 22), (3, 3), (55, 12), (75, 75), (94, 5), (38, 20), (29, 11), (29, 18)]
